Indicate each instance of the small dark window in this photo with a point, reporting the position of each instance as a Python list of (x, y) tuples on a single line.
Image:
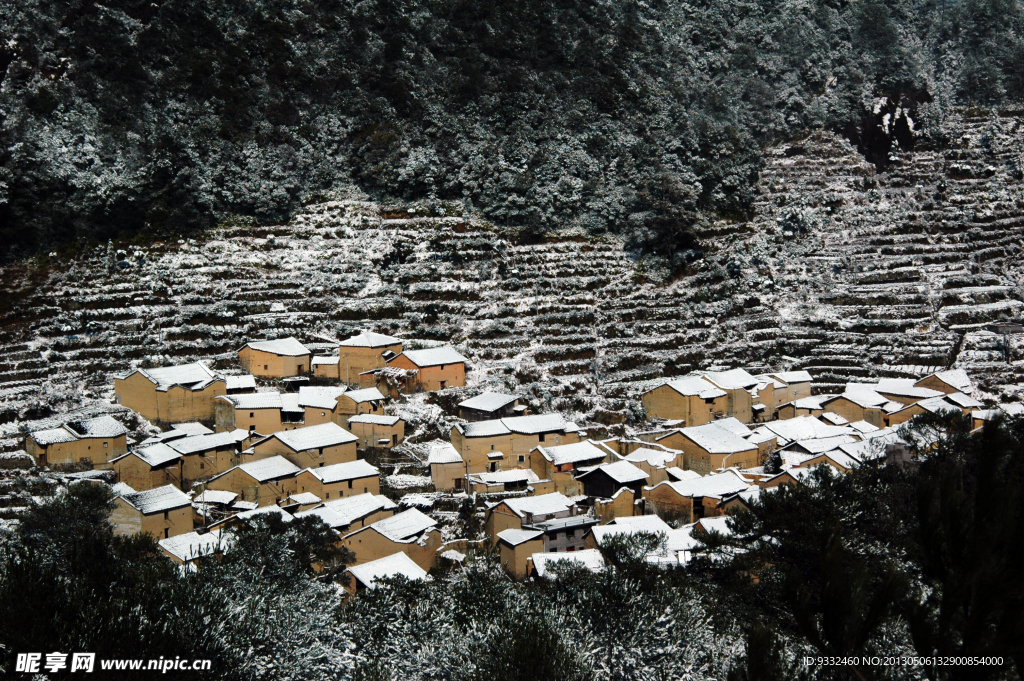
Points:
[(542, 437), (167, 533), (522, 458), (350, 484), (167, 515), (444, 384), (492, 448), (252, 414), (202, 465), (265, 367)]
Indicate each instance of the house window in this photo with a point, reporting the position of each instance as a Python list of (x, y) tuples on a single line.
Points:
[(321, 464), (458, 483), (541, 437), (328, 496), (202, 465), (394, 439), (444, 384), (350, 484), (522, 458), (252, 414), (167, 533), (167, 515), (321, 451), (494, 466), (365, 490), (104, 445), (492, 448), (301, 366), (265, 367)]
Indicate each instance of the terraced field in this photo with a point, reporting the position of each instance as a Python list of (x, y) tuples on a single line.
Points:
[(842, 270)]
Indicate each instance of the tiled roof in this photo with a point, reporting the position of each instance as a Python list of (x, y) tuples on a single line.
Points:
[(734, 379), (502, 477), (183, 374), (964, 401), (695, 386), (101, 426), (715, 485), (398, 564), (191, 545), (190, 428), (320, 397), (488, 401), (52, 436), (515, 537), (340, 513), (350, 470), (790, 377), (590, 559), (304, 498), (369, 339), (269, 469), (434, 356), (215, 496), (631, 525), (650, 456), (622, 472), (287, 347), (157, 454), (324, 359), (267, 400), (157, 500), (364, 395), (716, 439), (444, 453), (956, 378), (327, 434), (573, 453), (542, 504), (376, 419), (403, 527), (243, 382), (540, 423), (204, 443)]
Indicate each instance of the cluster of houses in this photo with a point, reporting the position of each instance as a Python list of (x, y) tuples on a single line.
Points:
[(233, 451)]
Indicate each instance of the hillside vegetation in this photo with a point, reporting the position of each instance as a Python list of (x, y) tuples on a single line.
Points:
[(642, 118)]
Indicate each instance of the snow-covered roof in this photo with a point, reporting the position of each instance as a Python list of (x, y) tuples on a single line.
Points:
[(268, 469), (286, 347), (863, 426), (506, 476), (591, 559), (262, 510), (715, 485), (514, 537), (189, 375), (327, 434), (101, 426), (434, 356), (267, 400), (402, 527), (215, 496), (525, 425), (734, 426), (119, 489), (243, 382), (837, 455), (320, 397), (541, 504), (716, 439), (695, 386), (904, 387), (734, 379), (622, 472), (861, 394), (812, 402), (719, 524), (650, 456), (204, 443), (157, 500), (349, 470), (679, 474), (955, 378), (324, 359), (157, 454), (802, 428), (825, 444), (304, 498), (189, 428), (389, 566), (791, 377), (488, 401), (343, 512), (443, 453), (964, 401), (369, 339), (834, 419), (375, 419), (573, 453), (52, 436), (191, 545), (631, 525), (364, 395)]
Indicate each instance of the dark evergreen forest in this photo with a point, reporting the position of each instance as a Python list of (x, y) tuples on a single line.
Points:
[(162, 117)]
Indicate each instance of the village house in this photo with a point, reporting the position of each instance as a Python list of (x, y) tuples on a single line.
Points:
[(340, 480), (690, 399), (562, 535), (950, 381), (518, 512), (347, 514), (171, 394), (205, 455), (369, 575), (177, 432), (607, 479), (363, 401), (93, 441), (788, 386), (439, 368), (319, 404), (860, 402), (953, 402), (741, 393), (838, 459), (162, 512), (255, 412), (265, 482), (512, 480), (805, 406), (716, 445), (489, 406), (655, 460), (282, 358), (902, 390), (804, 429), (183, 549), (149, 467), (624, 527), (691, 500), (377, 430), (310, 447), (391, 381), (560, 462), (507, 442), (447, 470), (361, 353), (515, 548), (412, 533)]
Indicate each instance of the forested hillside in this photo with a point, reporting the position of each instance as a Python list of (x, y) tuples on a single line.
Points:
[(644, 118)]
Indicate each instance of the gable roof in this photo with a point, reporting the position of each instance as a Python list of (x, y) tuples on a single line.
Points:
[(954, 378), (364, 395), (369, 339), (215, 496), (573, 453), (157, 500), (622, 472), (434, 356), (695, 386), (488, 401), (320, 397), (266, 400), (266, 469), (343, 512), (443, 453), (541, 504), (101, 426), (905, 387), (403, 527), (802, 428), (790, 377), (524, 425), (192, 545), (52, 436), (349, 470), (328, 434), (716, 439), (157, 454), (833, 419), (514, 537), (651, 456), (204, 443), (631, 525), (715, 485), (397, 564), (591, 559), (502, 477), (285, 347), (375, 419), (194, 375), (964, 401), (734, 379)]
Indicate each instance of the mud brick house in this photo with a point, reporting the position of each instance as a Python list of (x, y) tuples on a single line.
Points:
[(363, 401), (507, 443), (185, 392), (367, 575), (437, 368), (281, 358), (162, 512), (319, 404), (741, 393), (348, 514), (310, 447), (412, 533), (363, 352), (149, 467), (951, 381), (693, 499), (489, 406), (447, 469), (561, 462), (690, 399), (607, 479), (94, 441), (185, 548), (517, 512), (261, 413), (206, 455), (716, 445), (515, 548), (265, 482), (377, 430), (788, 386), (347, 479)]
